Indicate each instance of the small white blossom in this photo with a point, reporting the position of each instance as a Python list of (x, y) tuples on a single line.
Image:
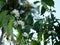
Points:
[(56, 24), (32, 31), (29, 40), (54, 40), (15, 23), (16, 12), (35, 36), (21, 11), (57, 39), (20, 22), (53, 31), (15, 32), (50, 37), (25, 34), (49, 32), (6, 42), (23, 27), (47, 39)]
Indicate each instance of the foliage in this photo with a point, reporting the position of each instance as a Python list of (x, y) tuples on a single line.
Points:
[(17, 14)]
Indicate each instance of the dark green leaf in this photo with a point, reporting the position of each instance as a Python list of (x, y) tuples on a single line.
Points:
[(36, 2), (36, 26), (49, 2), (57, 29), (2, 4), (52, 16), (54, 11), (46, 35), (43, 9), (57, 43), (27, 29), (29, 20), (44, 4), (30, 35)]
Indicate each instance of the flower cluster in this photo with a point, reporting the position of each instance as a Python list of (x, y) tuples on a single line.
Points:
[(19, 22), (16, 12)]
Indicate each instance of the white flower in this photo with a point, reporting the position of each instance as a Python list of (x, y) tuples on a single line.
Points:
[(49, 32), (16, 12), (53, 31), (15, 23), (50, 37), (20, 22), (21, 11), (25, 34), (35, 36), (15, 32), (57, 39), (23, 27), (47, 39), (54, 40), (56, 24)]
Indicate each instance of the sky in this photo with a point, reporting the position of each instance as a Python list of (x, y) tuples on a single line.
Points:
[(57, 7)]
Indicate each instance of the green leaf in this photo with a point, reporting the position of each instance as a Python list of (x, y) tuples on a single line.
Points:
[(40, 36), (54, 11), (46, 35), (36, 2), (3, 18), (27, 29), (0, 24), (36, 26), (38, 8), (57, 29), (52, 16), (2, 4), (44, 4), (43, 9), (6, 22), (19, 38), (57, 43), (10, 28), (33, 42), (3, 14), (23, 41), (19, 35), (29, 20), (49, 2), (30, 35)]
